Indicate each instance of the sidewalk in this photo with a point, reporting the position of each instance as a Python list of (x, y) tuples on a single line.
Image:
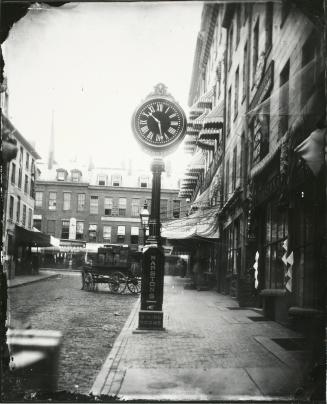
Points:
[(208, 352), (21, 280)]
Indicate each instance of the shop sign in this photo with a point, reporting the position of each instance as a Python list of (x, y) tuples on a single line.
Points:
[(264, 87), (72, 228), (266, 189), (152, 279)]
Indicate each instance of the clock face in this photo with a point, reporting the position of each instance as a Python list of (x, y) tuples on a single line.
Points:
[(159, 123)]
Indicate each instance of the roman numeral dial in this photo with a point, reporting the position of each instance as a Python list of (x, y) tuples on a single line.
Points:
[(159, 122)]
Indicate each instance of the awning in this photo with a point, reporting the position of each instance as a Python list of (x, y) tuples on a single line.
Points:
[(32, 238), (206, 144), (205, 101), (216, 116), (198, 122), (210, 134), (202, 224)]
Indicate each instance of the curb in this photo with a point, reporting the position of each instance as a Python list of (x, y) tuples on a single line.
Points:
[(107, 373), (32, 281)]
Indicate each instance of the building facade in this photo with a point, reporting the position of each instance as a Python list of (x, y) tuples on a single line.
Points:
[(18, 201), (264, 63), (99, 205)]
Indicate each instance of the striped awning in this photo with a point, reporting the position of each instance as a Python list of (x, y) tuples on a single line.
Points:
[(210, 134), (216, 116), (198, 122), (206, 144), (195, 112), (202, 224), (205, 101)]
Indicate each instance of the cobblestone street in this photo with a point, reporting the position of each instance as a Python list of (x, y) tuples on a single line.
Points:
[(89, 322)]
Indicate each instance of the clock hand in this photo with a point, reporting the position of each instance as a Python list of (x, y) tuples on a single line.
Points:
[(159, 124), (157, 120)]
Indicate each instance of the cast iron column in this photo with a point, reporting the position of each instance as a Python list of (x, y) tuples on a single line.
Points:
[(151, 315)]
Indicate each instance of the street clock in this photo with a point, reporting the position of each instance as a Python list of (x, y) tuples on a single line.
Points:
[(159, 123)]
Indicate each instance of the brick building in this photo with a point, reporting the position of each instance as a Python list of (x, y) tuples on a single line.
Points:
[(99, 205)]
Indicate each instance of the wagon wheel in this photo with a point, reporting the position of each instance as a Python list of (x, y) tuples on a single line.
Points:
[(134, 285), (117, 283), (88, 282)]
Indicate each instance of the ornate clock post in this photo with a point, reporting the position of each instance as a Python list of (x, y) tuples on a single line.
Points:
[(159, 124)]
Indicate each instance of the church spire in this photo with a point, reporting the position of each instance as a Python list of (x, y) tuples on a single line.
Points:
[(52, 144)]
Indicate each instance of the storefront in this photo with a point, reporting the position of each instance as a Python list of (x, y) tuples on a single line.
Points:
[(197, 237)]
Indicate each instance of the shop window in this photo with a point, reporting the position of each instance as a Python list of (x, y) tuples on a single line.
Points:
[(107, 234), (67, 198), (116, 180), (163, 208), (11, 207), (135, 207), (79, 230), (108, 204), (13, 173), (37, 224), (269, 25), (134, 235), (176, 209), (80, 202), (275, 234), (51, 227), (38, 199), (94, 205), (283, 99), (52, 200), (92, 232), (18, 210), (26, 184), (122, 207), (65, 229)]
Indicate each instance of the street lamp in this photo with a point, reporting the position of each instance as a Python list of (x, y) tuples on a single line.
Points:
[(144, 216)]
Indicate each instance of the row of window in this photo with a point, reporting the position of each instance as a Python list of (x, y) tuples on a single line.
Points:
[(260, 126), (22, 215), (102, 179), (29, 183), (29, 161), (111, 206), (77, 231)]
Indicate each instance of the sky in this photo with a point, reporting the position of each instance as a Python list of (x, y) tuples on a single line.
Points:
[(92, 64)]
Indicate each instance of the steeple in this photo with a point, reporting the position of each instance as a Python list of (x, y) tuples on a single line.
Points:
[(52, 145)]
